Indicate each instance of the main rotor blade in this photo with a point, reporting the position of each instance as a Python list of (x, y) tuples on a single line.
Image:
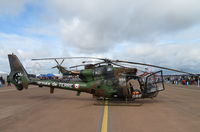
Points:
[(57, 66), (53, 67), (118, 65), (77, 66), (91, 61), (87, 64), (69, 58), (56, 61), (99, 63), (170, 69), (62, 61)]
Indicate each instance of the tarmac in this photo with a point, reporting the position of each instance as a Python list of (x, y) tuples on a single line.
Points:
[(36, 110)]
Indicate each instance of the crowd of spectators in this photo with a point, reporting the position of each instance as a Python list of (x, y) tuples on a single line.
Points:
[(182, 79)]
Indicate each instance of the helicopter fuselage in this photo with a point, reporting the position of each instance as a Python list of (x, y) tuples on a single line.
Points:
[(104, 81)]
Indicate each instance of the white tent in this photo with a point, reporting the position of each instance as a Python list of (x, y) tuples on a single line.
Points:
[(3, 74), (58, 75)]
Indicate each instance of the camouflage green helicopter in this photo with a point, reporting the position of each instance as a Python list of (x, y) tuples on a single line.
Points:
[(107, 79)]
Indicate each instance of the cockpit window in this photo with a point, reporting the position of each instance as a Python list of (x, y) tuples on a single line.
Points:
[(99, 71), (109, 68)]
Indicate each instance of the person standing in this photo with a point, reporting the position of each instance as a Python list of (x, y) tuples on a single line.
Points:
[(8, 81), (1, 82)]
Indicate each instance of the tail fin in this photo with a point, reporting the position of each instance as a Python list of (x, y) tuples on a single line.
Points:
[(18, 75)]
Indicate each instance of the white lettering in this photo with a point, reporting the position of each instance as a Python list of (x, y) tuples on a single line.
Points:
[(55, 84)]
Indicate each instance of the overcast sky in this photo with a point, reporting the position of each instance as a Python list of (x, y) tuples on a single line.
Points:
[(161, 32)]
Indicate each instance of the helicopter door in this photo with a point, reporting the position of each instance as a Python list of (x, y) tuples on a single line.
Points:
[(123, 85), (154, 82)]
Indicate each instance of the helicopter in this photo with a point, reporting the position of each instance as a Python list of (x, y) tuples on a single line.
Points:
[(107, 79)]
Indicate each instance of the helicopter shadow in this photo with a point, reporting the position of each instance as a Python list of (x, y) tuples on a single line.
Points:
[(45, 97), (148, 101), (88, 102)]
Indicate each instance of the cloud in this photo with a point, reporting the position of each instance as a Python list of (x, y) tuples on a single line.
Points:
[(25, 48), (184, 57), (13, 7), (99, 25), (79, 35), (152, 31)]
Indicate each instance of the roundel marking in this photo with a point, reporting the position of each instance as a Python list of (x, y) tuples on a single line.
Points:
[(76, 86)]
